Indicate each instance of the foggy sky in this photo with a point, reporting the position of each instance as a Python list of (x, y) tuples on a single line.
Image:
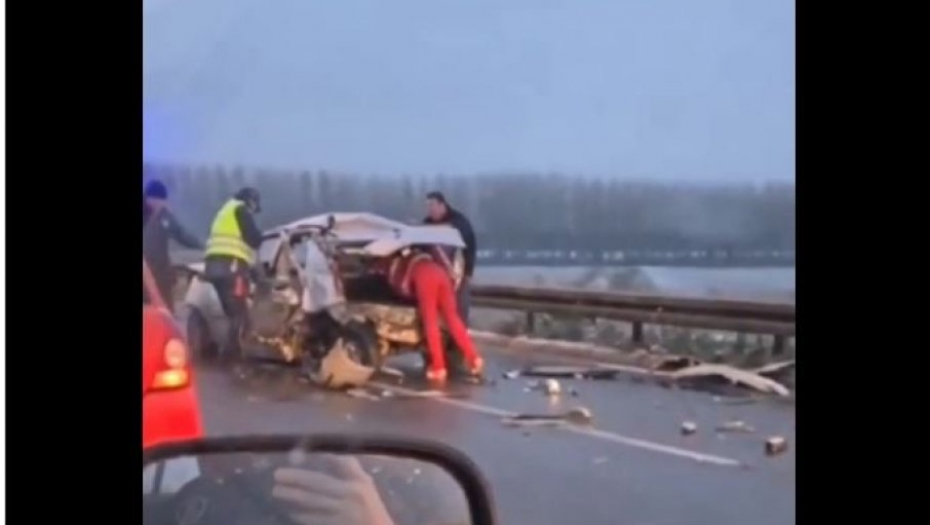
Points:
[(647, 89)]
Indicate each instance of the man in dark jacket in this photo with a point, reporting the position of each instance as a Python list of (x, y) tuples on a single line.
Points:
[(160, 226), (230, 260), (439, 211)]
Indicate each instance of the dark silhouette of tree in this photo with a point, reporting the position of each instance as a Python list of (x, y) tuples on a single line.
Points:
[(516, 211)]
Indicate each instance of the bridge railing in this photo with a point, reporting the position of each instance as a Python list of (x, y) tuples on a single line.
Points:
[(754, 317)]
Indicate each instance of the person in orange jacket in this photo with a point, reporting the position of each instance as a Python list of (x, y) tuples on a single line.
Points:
[(427, 276)]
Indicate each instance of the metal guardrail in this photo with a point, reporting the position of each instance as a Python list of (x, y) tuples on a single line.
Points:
[(768, 318), (753, 317)]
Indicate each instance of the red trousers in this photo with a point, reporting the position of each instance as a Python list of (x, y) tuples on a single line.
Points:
[(435, 296)]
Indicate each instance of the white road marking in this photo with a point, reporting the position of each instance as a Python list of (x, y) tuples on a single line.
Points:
[(584, 431)]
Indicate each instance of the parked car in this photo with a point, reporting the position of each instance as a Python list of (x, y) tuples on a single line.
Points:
[(170, 409)]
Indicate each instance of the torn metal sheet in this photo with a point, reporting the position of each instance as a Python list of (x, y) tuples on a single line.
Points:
[(733, 376), (575, 416), (421, 394), (776, 371), (672, 363)]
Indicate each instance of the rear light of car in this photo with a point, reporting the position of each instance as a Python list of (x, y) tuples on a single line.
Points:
[(175, 370)]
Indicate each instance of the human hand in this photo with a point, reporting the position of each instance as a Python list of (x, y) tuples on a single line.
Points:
[(347, 498)]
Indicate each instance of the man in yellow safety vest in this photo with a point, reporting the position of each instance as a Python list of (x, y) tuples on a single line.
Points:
[(229, 259)]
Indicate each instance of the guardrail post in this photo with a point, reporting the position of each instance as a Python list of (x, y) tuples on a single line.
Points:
[(637, 332), (739, 346), (530, 322), (778, 345)]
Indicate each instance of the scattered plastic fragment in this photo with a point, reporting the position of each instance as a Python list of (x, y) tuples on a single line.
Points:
[(775, 445), (552, 387), (513, 374), (688, 428)]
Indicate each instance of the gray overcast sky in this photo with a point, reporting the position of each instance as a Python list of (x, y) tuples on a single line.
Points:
[(699, 90)]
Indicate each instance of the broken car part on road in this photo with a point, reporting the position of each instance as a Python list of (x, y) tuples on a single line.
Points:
[(575, 416), (694, 373), (775, 445)]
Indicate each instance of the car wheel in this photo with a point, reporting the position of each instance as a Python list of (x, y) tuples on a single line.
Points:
[(199, 339), (361, 343)]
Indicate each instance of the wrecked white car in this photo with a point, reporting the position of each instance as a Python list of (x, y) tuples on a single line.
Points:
[(320, 298)]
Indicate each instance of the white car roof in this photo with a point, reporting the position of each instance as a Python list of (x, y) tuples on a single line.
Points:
[(385, 235)]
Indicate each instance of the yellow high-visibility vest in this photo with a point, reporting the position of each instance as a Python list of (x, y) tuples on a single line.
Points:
[(225, 236)]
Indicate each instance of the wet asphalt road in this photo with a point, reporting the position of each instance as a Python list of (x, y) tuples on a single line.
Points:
[(549, 475)]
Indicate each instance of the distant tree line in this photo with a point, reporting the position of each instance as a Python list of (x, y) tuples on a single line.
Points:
[(513, 211)]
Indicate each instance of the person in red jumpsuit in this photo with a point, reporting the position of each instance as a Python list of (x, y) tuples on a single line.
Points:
[(426, 275)]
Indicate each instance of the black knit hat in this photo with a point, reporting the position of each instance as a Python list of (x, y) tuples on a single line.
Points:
[(156, 189)]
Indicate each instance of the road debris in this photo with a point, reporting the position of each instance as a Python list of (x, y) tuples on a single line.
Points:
[(775, 445), (599, 460), (549, 387), (386, 370), (688, 428), (657, 349), (392, 375), (776, 371), (575, 416), (361, 393), (337, 370), (672, 363), (732, 376), (661, 362), (735, 425), (564, 372), (552, 387), (421, 394)]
